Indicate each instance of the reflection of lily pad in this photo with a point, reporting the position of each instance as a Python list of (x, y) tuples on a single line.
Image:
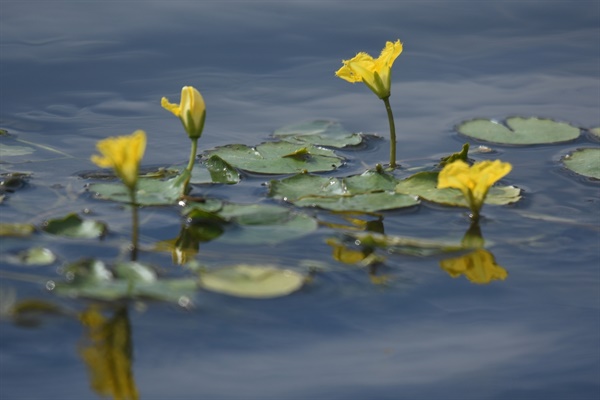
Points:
[(408, 245), (251, 281), (320, 132), (279, 158), (519, 131), (73, 226), (149, 191), (424, 185), (370, 191), (584, 162)]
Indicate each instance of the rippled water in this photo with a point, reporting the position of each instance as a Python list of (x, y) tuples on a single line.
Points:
[(72, 73)]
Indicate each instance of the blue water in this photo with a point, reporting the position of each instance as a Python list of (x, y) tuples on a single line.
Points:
[(72, 73)]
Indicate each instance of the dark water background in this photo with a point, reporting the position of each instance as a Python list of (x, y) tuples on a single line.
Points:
[(74, 72)]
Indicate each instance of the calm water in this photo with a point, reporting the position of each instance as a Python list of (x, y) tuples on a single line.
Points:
[(72, 73)]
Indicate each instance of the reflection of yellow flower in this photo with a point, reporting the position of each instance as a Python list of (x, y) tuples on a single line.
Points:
[(375, 73), (123, 154), (479, 267), (191, 111), (474, 182), (107, 354)]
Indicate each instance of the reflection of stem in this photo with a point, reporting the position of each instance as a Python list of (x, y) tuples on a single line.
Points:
[(190, 165), (48, 148), (134, 225), (386, 101)]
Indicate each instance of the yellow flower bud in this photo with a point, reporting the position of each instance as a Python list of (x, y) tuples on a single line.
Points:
[(375, 73), (123, 154), (191, 111)]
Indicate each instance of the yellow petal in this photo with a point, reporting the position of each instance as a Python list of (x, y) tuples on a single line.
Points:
[(174, 108)]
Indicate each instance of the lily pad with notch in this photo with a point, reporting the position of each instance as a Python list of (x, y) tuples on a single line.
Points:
[(319, 132), (519, 131)]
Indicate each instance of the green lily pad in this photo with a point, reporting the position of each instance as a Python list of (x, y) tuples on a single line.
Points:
[(15, 151), (12, 181), (519, 131), (595, 132), (424, 185), (252, 281), (584, 162), (254, 223), (370, 191), (320, 132), (92, 279), (150, 192), (279, 158), (73, 226), (407, 245), (16, 229), (34, 256)]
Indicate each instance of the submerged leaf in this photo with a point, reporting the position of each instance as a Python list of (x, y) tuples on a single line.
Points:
[(519, 131), (584, 162), (252, 281)]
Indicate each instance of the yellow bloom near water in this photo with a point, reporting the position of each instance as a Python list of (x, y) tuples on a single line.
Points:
[(123, 154), (375, 73), (191, 110), (473, 181)]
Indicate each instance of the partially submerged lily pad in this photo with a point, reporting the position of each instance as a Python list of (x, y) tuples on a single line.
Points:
[(584, 162), (127, 280), (519, 131), (73, 226), (150, 192), (279, 158), (424, 185), (319, 132), (214, 170), (252, 281), (16, 229)]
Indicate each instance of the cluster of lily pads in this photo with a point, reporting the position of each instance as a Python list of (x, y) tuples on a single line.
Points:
[(299, 159)]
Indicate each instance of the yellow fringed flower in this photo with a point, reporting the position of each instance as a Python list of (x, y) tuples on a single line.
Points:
[(475, 181), (123, 154), (478, 267), (375, 73), (191, 111)]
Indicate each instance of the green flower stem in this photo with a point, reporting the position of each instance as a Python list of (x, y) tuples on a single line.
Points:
[(386, 101), (190, 165), (134, 225)]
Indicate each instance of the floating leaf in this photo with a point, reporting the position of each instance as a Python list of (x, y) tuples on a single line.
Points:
[(405, 244), (150, 192), (424, 185), (10, 182), (278, 158), (214, 170), (461, 155), (371, 191), (320, 132), (34, 256), (16, 229), (252, 281), (519, 131), (595, 132), (584, 162), (255, 223), (15, 151), (72, 225)]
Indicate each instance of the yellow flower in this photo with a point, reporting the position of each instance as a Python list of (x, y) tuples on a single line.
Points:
[(475, 181), (478, 267), (191, 111), (375, 73), (123, 154)]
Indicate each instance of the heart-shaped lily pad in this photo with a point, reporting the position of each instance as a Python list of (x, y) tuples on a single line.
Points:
[(279, 158), (519, 131), (424, 185), (584, 162), (73, 226), (252, 281), (320, 132)]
